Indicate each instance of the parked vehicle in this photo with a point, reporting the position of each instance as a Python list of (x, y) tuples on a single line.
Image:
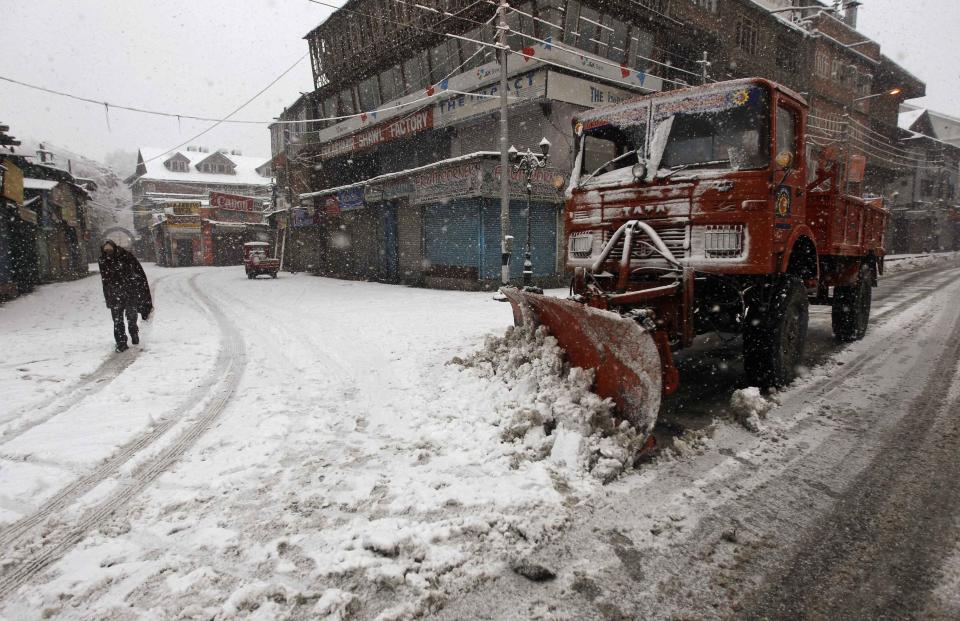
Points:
[(697, 210), (257, 260)]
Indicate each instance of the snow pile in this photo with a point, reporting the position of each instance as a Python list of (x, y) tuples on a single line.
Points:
[(749, 406), (550, 412), (895, 264)]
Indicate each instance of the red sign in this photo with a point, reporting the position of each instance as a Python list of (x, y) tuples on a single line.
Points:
[(331, 206), (232, 202), (400, 128)]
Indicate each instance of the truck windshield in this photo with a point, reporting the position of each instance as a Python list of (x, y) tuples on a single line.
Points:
[(736, 137), (606, 149), (711, 129)]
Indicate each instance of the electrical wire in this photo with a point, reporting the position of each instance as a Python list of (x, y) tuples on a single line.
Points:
[(411, 91), (564, 31), (885, 146), (235, 110)]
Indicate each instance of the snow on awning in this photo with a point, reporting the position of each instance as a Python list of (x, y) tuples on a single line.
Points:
[(401, 173), (30, 183)]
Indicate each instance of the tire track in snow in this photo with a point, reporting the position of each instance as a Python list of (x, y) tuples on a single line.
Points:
[(230, 362), (87, 386)]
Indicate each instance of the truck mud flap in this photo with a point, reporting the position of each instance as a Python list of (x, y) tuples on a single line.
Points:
[(623, 354)]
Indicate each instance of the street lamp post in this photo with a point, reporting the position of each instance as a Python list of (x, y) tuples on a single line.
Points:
[(529, 162)]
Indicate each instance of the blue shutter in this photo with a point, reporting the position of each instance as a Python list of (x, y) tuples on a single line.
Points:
[(543, 238), (451, 234)]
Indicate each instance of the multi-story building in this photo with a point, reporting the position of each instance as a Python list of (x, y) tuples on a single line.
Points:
[(403, 86), (925, 205), (43, 224), (190, 174)]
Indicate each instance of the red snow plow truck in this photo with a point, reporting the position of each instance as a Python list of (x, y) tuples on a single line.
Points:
[(699, 210)]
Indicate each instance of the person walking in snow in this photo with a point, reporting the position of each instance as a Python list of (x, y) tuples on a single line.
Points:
[(125, 290)]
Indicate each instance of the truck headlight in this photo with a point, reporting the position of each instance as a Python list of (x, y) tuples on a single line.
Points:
[(581, 245)]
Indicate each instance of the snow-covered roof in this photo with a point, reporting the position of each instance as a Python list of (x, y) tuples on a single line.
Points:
[(246, 168), (30, 183), (905, 120)]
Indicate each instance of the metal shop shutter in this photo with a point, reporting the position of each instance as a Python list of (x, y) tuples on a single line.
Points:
[(451, 234), (543, 237)]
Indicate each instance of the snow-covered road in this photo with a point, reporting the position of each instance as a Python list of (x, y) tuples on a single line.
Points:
[(302, 448)]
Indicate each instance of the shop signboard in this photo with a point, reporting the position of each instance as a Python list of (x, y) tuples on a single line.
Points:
[(28, 215), (68, 213), (182, 222), (547, 184), (351, 198), (532, 85), (389, 190), (458, 180), (331, 206), (302, 216), (12, 182), (185, 208), (392, 130), (589, 93), (233, 202)]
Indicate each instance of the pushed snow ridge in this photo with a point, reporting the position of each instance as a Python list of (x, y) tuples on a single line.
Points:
[(549, 411)]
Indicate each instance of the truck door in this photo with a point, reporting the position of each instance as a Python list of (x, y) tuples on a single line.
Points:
[(789, 199)]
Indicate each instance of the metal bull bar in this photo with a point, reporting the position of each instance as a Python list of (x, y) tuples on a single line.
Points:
[(627, 232)]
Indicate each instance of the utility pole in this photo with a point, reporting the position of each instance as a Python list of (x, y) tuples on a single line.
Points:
[(704, 65), (506, 242)]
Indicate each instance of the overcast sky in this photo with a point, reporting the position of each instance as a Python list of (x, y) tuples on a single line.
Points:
[(205, 57)]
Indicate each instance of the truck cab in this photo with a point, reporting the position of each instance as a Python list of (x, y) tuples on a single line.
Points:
[(718, 171), (700, 208)]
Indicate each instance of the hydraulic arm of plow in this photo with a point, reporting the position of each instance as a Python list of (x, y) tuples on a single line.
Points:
[(622, 330)]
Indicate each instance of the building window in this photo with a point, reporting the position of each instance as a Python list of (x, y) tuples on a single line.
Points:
[(346, 102), (708, 5), (549, 20), (570, 23), (391, 84), (864, 84), (747, 35), (641, 48), (822, 64), (787, 58), (591, 31), (369, 94), (619, 39)]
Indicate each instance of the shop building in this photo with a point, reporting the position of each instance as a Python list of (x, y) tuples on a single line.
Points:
[(417, 98), (43, 224), (439, 225), (190, 175), (207, 232)]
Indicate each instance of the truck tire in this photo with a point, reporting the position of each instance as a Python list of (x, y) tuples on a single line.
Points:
[(774, 336), (851, 308)]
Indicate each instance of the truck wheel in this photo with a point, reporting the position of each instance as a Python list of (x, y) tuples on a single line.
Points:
[(851, 308), (774, 336), (273, 274)]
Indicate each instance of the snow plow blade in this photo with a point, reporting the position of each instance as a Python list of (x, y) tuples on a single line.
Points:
[(622, 354)]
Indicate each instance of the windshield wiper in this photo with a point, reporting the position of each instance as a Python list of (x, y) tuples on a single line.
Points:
[(605, 164), (679, 167)]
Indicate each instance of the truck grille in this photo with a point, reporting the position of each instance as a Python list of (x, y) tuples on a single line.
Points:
[(675, 237)]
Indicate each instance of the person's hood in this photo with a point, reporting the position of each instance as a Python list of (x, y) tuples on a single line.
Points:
[(116, 249)]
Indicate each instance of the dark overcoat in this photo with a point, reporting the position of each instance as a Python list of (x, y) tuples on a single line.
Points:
[(124, 281)]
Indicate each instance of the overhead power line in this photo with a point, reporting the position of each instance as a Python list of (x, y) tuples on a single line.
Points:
[(235, 110)]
